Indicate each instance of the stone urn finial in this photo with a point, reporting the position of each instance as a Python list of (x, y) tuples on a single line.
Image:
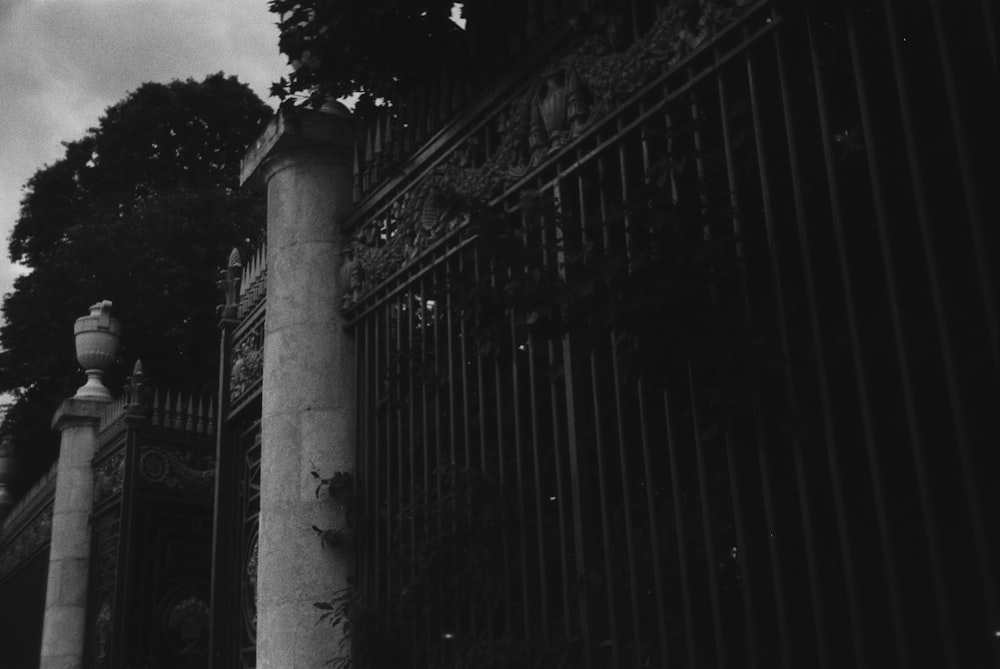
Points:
[(97, 341)]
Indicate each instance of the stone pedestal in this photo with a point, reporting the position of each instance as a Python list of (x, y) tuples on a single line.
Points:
[(69, 554), (304, 161)]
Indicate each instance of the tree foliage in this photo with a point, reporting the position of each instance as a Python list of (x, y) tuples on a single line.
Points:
[(373, 47), (141, 210)]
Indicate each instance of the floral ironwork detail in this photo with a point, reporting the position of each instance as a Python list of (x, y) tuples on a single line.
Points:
[(190, 619), (248, 363), (28, 541), (566, 100), (102, 632), (187, 471), (109, 477), (250, 587)]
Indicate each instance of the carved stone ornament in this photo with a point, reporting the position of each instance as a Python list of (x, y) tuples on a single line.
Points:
[(97, 338), (559, 105)]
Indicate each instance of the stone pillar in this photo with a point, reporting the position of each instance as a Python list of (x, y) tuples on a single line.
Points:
[(304, 161), (69, 554)]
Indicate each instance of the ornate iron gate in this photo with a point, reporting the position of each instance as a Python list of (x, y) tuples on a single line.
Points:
[(234, 596), (798, 476)]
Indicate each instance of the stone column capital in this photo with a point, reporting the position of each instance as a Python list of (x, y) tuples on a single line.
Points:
[(76, 412), (297, 136)]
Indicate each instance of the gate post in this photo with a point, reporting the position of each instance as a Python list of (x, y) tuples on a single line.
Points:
[(303, 159), (63, 629)]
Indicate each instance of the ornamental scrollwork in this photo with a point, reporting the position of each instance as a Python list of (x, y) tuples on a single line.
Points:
[(109, 477), (102, 631), (567, 99), (187, 471), (250, 587), (28, 541), (248, 363), (188, 624)]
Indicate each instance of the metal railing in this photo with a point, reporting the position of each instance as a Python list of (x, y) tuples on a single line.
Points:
[(818, 493)]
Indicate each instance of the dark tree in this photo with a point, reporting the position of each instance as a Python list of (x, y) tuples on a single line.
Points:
[(141, 210)]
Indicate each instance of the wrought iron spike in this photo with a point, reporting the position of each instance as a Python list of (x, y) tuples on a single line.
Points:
[(176, 422), (210, 429), (156, 406)]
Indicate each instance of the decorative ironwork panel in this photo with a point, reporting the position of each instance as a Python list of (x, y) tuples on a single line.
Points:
[(109, 476), (247, 368), (103, 583), (33, 537), (249, 507), (183, 470), (654, 375)]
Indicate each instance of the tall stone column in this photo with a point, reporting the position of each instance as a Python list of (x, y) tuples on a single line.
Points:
[(69, 553), (304, 160), (77, 419)]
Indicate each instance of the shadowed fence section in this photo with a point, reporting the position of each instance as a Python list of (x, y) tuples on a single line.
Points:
[(731, 406)]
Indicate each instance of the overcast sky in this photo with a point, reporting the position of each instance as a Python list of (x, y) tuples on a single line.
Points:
[(63, 62)]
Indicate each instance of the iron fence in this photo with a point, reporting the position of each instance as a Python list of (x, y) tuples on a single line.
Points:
[(800, 474)]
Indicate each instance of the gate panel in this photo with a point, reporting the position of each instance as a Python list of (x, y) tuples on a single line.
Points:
[(708, 382)]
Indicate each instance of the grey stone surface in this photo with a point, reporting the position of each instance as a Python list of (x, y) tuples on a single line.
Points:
[(69, 553), (307, 412)]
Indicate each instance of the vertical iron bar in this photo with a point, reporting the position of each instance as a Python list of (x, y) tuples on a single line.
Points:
[(776, 278), (982, 265), (501, 469), (706, 520), (376, 449), (937, 298), (466, 391), (620, 421), (436, 348), (975, 213), (369, 555), (577, 463), (387, 427), (558, 460), (734, 202), (576, 485), (743, 547), (535, 440), (484, 463), (626, 500), (888, 263), (600, 456), (848, 290), (989, 25), (411, 347), (519, 465), (741, 552), (769, 517), (398, 388), (685, 574), (452, 428), (654, 534), (650, 481)]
